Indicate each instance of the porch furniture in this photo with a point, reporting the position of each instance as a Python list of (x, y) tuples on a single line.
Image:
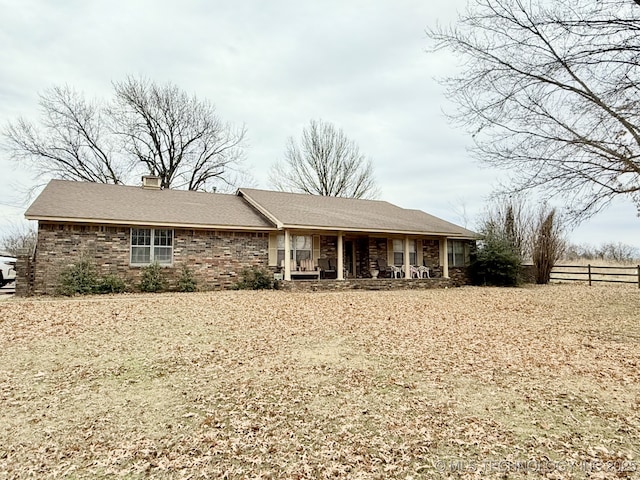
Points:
[(306, 275), (306, 270), (307, 265), (383, 268), (396, 272), (414, 272), (292, 266), (327, 268), (423, 270)]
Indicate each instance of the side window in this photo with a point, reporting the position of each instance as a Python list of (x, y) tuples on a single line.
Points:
[(458, 253), (163, 246), (140, 246), (150, 245)]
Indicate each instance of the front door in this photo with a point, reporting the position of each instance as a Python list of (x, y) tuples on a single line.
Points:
[(349, 259)]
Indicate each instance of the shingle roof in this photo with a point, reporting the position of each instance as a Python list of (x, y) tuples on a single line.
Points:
[(97, 202), (348, 214), (253, 209)]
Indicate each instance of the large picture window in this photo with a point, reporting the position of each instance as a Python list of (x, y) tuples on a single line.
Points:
[(398, 252), (150, 245), (458, 252), (301, 248)]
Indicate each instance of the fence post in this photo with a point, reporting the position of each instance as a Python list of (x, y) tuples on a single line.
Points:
[(589, 271), (638, 272)]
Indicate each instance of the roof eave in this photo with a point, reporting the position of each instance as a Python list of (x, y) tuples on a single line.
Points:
[(103, 221), (377, 230)]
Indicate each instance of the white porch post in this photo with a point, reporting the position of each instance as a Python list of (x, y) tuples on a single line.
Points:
[(287, 255), (340, 257), (407, 261), (444, 257)]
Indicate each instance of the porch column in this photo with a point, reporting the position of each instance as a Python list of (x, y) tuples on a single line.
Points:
[(340, 267), (407, 260), (287, 255), (444, 257)]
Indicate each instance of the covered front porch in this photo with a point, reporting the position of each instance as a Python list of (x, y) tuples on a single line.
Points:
[(369, 284), (350, 256)]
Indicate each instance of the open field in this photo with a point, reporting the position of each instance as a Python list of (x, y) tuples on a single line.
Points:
[(412, 384)]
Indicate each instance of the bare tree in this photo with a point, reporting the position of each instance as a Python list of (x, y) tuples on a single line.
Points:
[(146, 128), (177, 137), (325, 162), (550, 91), (72, 141), (510, 219), (19, 239), (548, 244), (617, 252)]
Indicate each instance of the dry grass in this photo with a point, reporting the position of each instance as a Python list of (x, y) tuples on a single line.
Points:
[(358, 385)]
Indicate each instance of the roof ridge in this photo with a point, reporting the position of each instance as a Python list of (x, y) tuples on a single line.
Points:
[(315, 195), (139, 187)]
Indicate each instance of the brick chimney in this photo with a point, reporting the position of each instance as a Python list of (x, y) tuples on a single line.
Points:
[(151, 182)]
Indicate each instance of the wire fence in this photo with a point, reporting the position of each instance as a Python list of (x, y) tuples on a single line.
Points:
[(596, 273)]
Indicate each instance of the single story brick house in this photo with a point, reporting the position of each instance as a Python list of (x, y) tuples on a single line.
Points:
[(124, 228)]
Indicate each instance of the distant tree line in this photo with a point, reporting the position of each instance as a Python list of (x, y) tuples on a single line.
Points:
[(19, 239), (610, 251)]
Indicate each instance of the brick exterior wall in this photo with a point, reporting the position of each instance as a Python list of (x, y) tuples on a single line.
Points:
[(329, 246), (377, 249), (24, 275), (215, 257), (459, 276), (431, 254)]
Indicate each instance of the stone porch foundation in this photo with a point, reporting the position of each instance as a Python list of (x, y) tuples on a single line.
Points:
[(366, 284)]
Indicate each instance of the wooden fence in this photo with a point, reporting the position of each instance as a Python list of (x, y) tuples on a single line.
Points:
[(594, 273)]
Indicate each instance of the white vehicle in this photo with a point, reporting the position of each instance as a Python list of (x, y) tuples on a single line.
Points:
[(7, 270)]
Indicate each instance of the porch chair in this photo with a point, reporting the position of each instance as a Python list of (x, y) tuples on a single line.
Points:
[(422, 270), (293, 267), (384, 268), (327, 270), (414, 271), (307, 265)]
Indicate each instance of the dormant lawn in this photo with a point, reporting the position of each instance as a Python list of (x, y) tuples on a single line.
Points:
[(542, 382)]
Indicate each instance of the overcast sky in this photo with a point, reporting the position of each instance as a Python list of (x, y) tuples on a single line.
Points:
[(273, 66)]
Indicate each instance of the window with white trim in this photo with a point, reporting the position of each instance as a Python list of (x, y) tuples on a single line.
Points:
[(458, 253), (398, 252), (150, 245), (301, 247)]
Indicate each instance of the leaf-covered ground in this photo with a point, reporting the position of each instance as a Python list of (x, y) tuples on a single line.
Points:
[(536, 382)]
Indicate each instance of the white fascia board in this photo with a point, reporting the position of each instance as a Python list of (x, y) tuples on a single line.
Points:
[(365, 230), (197, 226)]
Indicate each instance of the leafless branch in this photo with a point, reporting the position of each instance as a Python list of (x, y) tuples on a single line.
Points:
[(147, 128), (69, 143), (325, 162), (551, 92)]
